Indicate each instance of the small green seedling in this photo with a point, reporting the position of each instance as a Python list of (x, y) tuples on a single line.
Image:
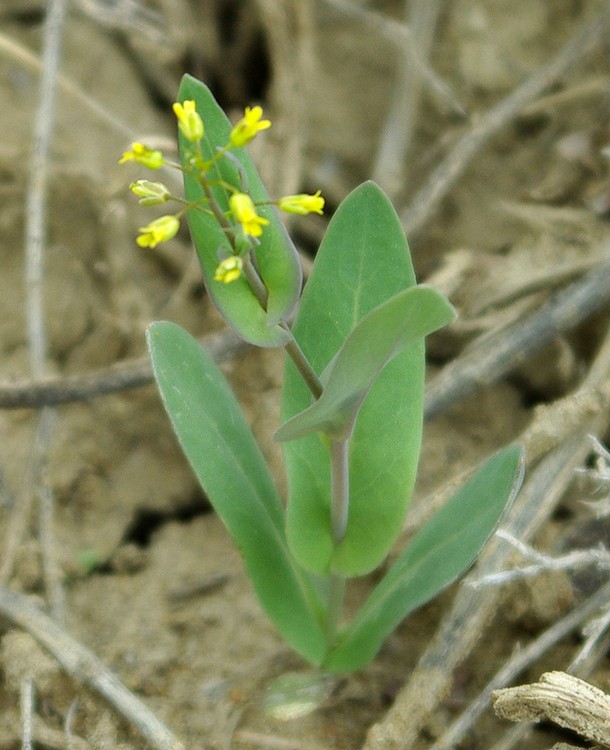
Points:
[(352, 399)]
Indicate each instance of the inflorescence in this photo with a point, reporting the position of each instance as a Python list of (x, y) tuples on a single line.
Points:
[(241, 222)]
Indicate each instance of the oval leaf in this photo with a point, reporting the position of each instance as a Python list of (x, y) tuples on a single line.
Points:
[(363, 261), (442, 549), (276, 257), (231, 469), (376, 339)]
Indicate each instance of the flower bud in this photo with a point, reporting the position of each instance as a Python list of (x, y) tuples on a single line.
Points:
[(189, 120), (229, 269), (244, 211), (160, 230), (141, 154), (150, 193), (302, 204), (248, 126)]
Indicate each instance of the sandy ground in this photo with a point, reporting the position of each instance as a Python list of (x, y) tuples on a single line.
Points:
[(502, 214)]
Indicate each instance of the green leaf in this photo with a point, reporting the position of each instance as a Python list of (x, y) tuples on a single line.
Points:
[(442, 549), (376, 339), (228, 463), (276, 257), (363, 261)]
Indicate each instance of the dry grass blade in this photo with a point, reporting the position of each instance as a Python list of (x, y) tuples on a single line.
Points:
[(35, 240), (390, 165), (288, 30)]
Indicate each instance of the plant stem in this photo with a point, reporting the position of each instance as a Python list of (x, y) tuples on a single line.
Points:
[(336, 594), (339, 478), (256, 283), (297, 355), (339, 449)]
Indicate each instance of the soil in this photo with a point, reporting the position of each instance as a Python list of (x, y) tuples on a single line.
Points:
[(153, 584)]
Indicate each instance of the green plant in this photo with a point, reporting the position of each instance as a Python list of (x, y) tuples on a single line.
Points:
[(352, 399)]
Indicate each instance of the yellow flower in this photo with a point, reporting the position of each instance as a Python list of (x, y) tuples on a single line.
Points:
[(244, 212), (189, 120), (150, 193), (229, 269), (302, 204), (141, 154), (159, 230), (248, 126)]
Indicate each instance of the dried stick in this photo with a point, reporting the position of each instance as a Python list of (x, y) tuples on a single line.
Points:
[(391, 160), (533, 651), (483, 363), (27, 711), (121, 376), (35, 239), (84, 666), (579, 666), (486, 360), (448, 172)]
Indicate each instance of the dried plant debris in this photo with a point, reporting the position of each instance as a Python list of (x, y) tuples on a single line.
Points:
[(568, 701)]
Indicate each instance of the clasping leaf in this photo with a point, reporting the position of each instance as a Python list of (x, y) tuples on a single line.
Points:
[(442, 550), (376, 339)]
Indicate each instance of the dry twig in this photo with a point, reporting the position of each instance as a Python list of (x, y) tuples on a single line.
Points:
[(35, 240), (391, 161), (402, 37)]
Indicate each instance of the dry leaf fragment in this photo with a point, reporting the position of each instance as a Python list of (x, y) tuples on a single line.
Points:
[(562, 698)]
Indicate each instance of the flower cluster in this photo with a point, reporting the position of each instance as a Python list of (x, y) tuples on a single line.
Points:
[(244, 224)]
